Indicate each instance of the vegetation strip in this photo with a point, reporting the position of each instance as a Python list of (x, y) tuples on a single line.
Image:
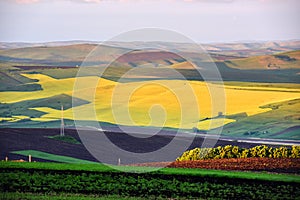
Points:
[(99, 168), (51, 157), (229, 151), (166, 183), (55, 196)]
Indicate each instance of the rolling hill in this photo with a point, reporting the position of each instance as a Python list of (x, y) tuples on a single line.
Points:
[(111, 102), (286, 60), (34, 81)]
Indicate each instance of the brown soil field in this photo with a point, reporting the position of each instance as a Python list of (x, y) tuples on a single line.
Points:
[(279, 165)]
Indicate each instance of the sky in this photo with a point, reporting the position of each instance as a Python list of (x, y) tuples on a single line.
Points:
[(205, 21)]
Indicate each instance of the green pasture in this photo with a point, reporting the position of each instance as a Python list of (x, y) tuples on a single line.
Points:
[(51, 157), (83, 180)]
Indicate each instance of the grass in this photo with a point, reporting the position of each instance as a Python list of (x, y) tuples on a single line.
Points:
[(66, 138), (81, 180), (51, 157), (232, 175), (92, 167), (12, 80), (34, 196), (56, 166), (280, 116)]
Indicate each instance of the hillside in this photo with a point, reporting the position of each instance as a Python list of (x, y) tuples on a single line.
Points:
[(280, 121), (43, 105), (286, 60), (77, 50), (70, 55), (35, 81), (266, 46), (59, 53)]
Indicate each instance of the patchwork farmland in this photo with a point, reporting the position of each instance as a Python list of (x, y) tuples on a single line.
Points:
[(261, 108)]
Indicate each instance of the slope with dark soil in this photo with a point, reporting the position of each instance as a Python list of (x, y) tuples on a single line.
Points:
[(36, 139)]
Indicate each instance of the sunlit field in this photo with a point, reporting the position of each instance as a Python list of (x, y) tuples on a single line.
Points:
[(160, 103)]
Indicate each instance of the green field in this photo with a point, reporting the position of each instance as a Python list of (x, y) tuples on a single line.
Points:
[(34, 196), (66, 138), (51, 157), (281, 116), (92, 167), (88, 179)]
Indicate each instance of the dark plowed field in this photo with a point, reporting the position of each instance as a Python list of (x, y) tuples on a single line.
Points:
[(36, 139)]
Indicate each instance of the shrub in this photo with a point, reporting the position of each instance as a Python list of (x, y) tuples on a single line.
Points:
[(229, 151)]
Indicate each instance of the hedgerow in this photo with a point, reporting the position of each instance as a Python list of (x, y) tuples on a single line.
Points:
[(229, 151)]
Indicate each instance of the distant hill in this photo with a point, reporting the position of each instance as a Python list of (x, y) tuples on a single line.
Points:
[(243, 48), (74, 52), (44, 54), (286, 60), (279, 45), (15, 45), (250, 62)]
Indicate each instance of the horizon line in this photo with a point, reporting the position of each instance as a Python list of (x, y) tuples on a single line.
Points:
[(103, 41)]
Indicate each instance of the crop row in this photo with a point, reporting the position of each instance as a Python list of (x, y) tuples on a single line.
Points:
[(142, 185), (229, 151)]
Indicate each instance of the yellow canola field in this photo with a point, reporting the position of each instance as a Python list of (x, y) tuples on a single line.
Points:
[(14, 118), (168, 103)]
